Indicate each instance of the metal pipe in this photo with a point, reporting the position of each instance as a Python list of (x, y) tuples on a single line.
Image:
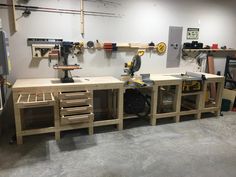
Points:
[(60, 10)]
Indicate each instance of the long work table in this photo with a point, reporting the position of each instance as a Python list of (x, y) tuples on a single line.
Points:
[(73, 107)]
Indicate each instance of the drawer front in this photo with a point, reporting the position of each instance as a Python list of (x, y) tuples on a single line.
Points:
[(75, 102), (76, 110), (76, 119), (75, 95)]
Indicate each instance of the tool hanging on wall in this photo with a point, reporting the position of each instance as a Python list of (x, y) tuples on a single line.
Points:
[(98, 45), (161, 48), (78, 48), (110, 47), (42, 47), (90, 44), (141, 52), (151, 46), (40, 51)]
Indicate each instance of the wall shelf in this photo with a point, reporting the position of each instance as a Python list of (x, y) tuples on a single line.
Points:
[(209, 50)]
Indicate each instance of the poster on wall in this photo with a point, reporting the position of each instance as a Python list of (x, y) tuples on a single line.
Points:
[(193, 33)]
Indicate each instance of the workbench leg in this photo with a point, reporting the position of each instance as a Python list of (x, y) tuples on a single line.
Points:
[(177, 119), (57, 117), (177, 101), (203, 101), (198, 106), (120, 108), (109, 101), (154, 98), (198, 116), (19, 139), (57, 135), (220, 88), (114, 104), (91, 128), (153, 122), (17, 112)]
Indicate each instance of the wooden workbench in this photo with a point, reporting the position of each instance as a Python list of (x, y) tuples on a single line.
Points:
[(53, 86), (171, 80), (90, 84)]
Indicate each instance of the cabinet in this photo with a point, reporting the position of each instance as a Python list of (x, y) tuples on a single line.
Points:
[(76, 108)]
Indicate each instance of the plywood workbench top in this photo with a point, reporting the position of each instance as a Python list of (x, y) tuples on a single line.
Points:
[(172, 76), (55, 82), (161, 77), (93, 81)]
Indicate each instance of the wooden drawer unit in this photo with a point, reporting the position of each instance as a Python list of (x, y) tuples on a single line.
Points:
[(76, 110), (75, 95), (77, 119), (76, 107)]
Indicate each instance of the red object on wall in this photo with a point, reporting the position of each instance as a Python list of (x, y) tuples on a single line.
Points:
[(215, 46)]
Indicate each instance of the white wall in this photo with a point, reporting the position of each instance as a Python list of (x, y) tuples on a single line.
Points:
[(141, 21)]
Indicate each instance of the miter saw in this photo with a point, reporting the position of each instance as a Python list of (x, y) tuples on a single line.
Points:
[(130, 69), (136, 102)]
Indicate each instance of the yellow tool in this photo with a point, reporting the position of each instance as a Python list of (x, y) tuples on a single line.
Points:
[(141, 52), (78, 48), (139, 82), (192, 85), (161, 48)]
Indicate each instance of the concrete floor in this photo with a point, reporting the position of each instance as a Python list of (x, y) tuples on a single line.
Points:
[(198, 148)]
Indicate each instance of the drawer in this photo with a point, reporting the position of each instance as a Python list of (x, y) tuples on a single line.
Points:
[(75, 95), (76, 110), (76, 119), (75, 102), (35, 100)]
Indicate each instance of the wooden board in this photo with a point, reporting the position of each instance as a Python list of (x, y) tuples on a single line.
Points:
[(55, 84), (229, 95), (211, 70)]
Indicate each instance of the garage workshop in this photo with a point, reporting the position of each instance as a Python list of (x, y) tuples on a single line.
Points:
[(117, 88)]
